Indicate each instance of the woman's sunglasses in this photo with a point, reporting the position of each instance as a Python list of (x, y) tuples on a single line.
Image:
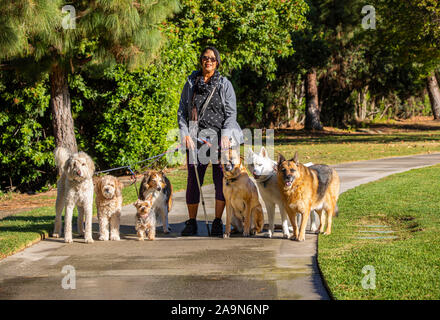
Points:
[(206, 58)]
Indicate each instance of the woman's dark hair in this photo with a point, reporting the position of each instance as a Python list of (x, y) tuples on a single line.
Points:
[(216, 53)]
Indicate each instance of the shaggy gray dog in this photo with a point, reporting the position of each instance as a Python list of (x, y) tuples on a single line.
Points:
[(75, 188)]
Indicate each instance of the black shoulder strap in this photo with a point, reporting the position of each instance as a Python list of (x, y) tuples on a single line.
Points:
[(205, 105)]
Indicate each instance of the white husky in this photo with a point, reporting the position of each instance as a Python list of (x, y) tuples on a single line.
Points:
[(264, 172)]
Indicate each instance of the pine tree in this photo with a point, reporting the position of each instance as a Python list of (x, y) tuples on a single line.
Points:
[(59, 37)]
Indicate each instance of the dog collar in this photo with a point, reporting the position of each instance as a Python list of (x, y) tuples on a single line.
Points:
[(264, 182)]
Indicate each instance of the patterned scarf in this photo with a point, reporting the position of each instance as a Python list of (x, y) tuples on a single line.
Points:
[(203, 89)]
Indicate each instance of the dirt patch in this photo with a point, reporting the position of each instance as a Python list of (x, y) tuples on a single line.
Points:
[(14, 202), (389, 127), (17, 202)]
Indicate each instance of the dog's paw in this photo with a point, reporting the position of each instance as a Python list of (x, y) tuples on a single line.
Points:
[(103, 238), (269, 234), (286, 235), (246, 234), (115, 238), (88, 240), (55, 235), (327, 233), (166, 231), (68, 240), (313, 228), (226, 235), (140, 239)]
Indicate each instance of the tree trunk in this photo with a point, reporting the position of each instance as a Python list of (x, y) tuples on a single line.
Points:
[(434, 95), (289, 97), (62, 120), (312, 121)]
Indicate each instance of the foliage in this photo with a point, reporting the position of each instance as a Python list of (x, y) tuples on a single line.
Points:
[(248, 33), (26, 143), (111, 31)]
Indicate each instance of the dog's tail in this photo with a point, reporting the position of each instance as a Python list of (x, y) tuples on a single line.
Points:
[(61, 155)]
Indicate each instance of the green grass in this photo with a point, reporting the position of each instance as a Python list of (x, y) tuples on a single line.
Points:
[(333, 149), (407, 267), (23, 229)]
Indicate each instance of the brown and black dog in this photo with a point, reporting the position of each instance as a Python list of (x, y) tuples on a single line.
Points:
[(243, 208), (158, 185), (305, 189)]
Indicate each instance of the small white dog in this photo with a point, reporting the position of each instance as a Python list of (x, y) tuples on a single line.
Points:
[(264, 172), (108, 190), (75, 188)]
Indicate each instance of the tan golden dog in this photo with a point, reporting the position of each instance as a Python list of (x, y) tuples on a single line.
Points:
[(243, 208), (305, 189), (108, 190)]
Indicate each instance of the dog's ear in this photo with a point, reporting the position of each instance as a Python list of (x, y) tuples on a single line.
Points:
[(119, 186), (263, 152), (281, 159), (136, 204), (147, 176), (98, 185), (90, 165), (67, 164), (295, 158)]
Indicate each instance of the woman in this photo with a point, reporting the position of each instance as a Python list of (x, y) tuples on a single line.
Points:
[(207, 99)]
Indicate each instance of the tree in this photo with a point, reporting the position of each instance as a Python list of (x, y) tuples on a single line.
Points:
[(412, 32), (37, 38), (434, 95), (249, 34)]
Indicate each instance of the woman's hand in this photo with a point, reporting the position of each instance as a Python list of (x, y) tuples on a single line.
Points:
[(189, 143), (225, 143)]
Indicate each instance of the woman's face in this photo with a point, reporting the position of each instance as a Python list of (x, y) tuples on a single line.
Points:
[(209, 62)]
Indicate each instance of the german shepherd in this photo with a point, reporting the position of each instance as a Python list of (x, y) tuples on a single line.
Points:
[(243, 207), (305, 189)]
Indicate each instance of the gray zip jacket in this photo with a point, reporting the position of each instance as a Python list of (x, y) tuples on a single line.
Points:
[(230, 128)]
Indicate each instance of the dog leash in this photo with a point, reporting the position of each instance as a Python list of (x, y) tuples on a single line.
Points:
[(154, 158), (134, 178), (201, 192)]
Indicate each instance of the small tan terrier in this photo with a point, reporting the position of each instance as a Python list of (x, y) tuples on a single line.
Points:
[(145, 218)]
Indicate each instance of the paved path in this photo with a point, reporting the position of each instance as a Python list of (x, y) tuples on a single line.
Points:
[(174, 267)]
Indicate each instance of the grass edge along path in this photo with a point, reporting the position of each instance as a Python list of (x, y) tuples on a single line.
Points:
[(405, 206)]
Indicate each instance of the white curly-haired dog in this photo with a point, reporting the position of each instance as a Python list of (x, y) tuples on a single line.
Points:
[(75, 188), (108, 190)]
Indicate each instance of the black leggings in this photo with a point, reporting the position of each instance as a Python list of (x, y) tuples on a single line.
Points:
[(192, 189)]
